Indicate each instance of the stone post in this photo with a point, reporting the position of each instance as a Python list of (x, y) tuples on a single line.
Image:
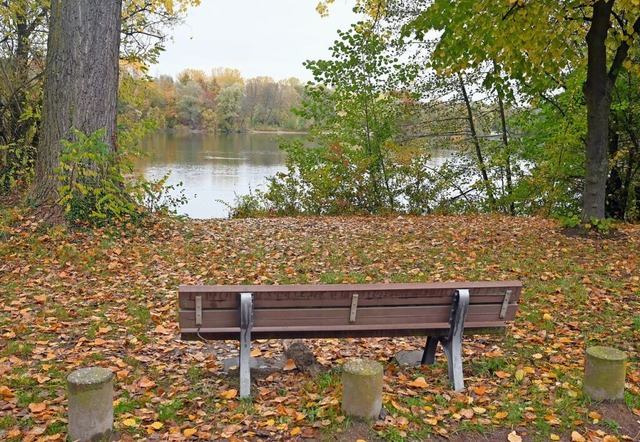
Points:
[(362, 388), (604, 374), (90, 393)]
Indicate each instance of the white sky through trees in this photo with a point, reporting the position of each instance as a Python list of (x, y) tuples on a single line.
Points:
[(258, 37)]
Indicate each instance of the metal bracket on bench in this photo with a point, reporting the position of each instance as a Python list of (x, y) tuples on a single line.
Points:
[(246, 324), (199, 310), (505, 304), (354, 308), (451, 344)]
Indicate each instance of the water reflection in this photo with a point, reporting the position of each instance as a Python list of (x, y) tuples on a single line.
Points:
[(212, 167)]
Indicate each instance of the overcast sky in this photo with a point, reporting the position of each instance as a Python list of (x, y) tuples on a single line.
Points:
[(258, 37)]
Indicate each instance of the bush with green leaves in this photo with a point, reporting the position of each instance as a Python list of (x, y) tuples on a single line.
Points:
[(93, 187)]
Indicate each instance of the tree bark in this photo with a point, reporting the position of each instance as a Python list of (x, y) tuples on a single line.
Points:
[(81, 83), (597, 92), (505, 143), (476, 142)]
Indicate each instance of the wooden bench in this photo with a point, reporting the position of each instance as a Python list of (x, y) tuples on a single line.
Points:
[(441, 311)]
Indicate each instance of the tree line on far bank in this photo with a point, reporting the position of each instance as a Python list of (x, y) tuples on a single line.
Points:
[(222, 101)]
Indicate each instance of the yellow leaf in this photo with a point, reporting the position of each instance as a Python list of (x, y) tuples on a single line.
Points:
[(418, 382), (361, 440), (157, 425), (577, 437), (229, 394), (595, 415), (520, 375), (513, 437), (547, 317), (188, 432), (296, 431), (500, 415), (290, 365), (130, 422), (255, 353), (553, 436), (502, 374)]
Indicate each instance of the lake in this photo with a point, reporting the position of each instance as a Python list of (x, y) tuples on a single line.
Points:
[(212, 167), (215, 168)]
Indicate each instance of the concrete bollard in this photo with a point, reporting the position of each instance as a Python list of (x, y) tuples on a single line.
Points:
[(362, 388), (604, 374), (90, 393)]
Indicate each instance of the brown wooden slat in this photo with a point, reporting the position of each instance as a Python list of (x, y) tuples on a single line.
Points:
[(340, 294), (335, 317), (308, 288)]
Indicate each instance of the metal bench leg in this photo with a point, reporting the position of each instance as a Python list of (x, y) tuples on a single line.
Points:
[(453, 343), (429, 355), (246, 323)]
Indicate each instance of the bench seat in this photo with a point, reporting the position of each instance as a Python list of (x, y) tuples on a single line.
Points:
[(441, 311)]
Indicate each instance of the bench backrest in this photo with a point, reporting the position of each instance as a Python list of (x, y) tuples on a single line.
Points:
[(343, 310)]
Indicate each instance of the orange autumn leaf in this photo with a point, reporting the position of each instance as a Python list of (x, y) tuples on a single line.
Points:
[(479, 389), (290, 365), (146, 383), (229, 394), (418, 382), (37, 407), (6, 391), (500, 415), (188, 432)]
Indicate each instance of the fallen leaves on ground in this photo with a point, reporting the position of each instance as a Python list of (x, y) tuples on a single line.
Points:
[(74, 299)]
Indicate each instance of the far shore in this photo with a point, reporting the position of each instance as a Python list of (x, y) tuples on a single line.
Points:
[(203, 131)]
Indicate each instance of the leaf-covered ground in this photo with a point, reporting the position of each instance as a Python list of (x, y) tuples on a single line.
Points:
[(74, 299)]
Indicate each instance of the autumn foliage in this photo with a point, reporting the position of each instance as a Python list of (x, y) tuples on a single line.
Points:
[(109, 298)]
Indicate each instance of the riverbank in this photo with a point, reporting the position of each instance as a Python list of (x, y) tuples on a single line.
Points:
[(82, 298)]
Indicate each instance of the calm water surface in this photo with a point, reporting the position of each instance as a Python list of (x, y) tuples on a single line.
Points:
[(215, 168), (212, 167)]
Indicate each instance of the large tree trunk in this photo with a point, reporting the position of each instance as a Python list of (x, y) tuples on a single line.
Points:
[(81, 82), (597, 92)]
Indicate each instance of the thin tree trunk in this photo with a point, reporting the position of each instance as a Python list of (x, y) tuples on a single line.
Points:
[(476, 143), (505, 142), (81, 82)]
